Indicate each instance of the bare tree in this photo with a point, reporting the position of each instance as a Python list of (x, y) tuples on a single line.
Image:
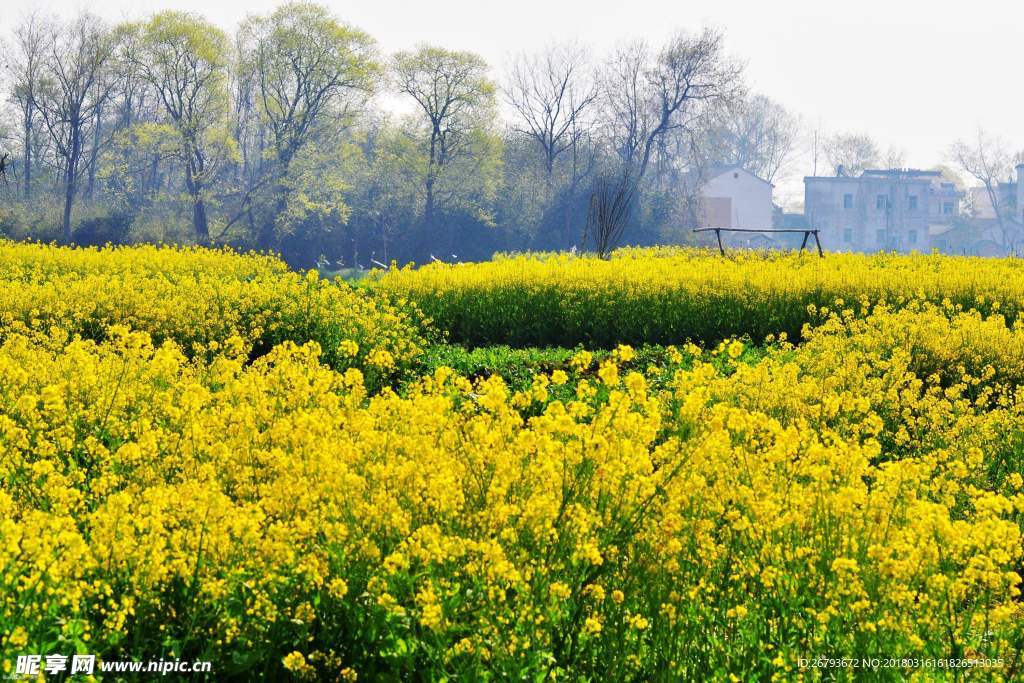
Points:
[(649, 94), (894, 157), (988, 161), (755, 133), (25, 71), (243, 111), (611, 200), (75, 64), (627, 116), (131, 94), (851, 153), (551, 92)]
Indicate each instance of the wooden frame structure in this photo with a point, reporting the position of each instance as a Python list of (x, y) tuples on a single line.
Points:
[(806, 231)]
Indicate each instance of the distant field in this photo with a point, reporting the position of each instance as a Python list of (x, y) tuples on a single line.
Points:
[(670, 295)]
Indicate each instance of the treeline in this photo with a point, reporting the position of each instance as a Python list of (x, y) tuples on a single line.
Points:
[(297, 134)]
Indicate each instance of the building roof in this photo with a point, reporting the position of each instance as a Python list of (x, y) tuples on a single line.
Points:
[(911, 172), (716, 170), (1000, 187), (873, 173)]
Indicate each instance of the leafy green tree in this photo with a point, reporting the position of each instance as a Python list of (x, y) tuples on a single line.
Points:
[(185, 60), (129, 169), (310, 74), (386, 193), (461, 149)]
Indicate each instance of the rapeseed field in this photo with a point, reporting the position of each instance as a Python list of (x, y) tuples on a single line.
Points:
[(206, 456)]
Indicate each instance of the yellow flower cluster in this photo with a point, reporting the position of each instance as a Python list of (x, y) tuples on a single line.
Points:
[(200, 298), (850, 496), (667, 295)]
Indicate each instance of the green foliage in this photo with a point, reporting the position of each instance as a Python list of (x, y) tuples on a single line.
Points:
[(269, 138), (309, 74), (305, 63), (516, 367), (316, 184), (454, 127)]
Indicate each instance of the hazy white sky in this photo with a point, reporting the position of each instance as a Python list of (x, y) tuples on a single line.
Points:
[(913, 74)]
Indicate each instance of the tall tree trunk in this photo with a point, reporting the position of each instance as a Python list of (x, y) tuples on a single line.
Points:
[(27, 161), (268, 227), (93, 153), (429, 230), (428, 210), (152, 181), (69, 198), (268, 237), (71, 178), (199, 221), (195, 190)]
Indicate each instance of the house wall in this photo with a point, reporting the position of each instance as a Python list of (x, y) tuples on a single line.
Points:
[(1020, 192), (750, 199), (716, 212), (941, 195), (982, 204), (877, 216), (1011, 198), (825, 210)]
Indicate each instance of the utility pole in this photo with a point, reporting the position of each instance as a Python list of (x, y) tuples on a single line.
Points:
[(814, 153)]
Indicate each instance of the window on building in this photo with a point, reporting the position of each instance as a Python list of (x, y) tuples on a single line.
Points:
[(880, 236), (847, 235), (947, 208), (912, 236), (847, 201), (881, 201), (912, 202)]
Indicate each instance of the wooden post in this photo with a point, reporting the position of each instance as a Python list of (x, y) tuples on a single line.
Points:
[(718, 234), (821, 254), (804, 243)]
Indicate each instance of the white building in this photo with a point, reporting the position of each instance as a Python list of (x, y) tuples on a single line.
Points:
[(1010, 195), (988, 232), (896, 209), (732, 197)]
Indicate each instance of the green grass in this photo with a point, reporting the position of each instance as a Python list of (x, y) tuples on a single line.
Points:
[(352, 276), (517, 367)]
